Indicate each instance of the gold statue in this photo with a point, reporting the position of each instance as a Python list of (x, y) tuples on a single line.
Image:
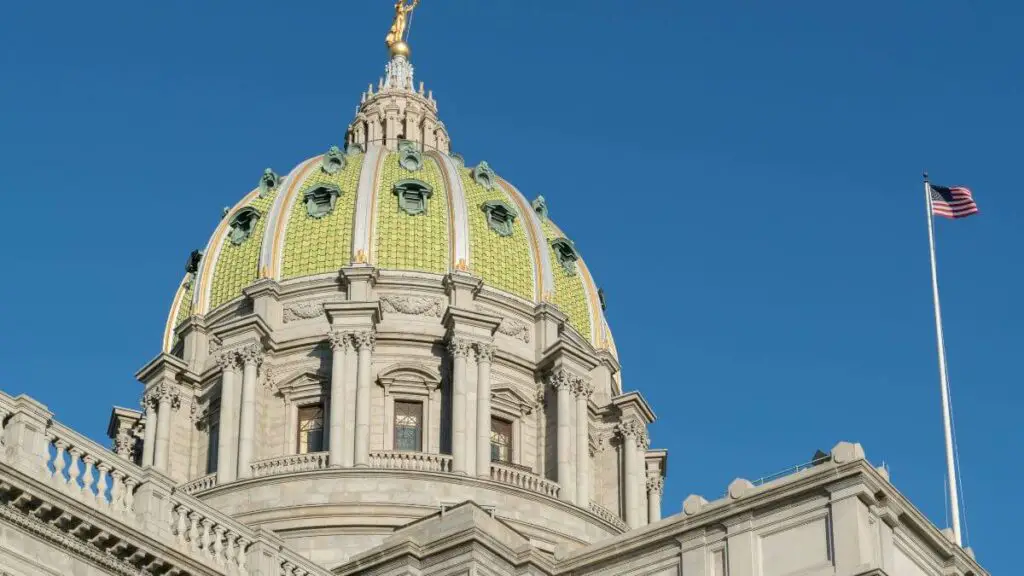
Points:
[(396, 35)]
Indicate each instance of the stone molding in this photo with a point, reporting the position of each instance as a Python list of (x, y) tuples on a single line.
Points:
[(302, 311), (484, 351), (459, 346), (655, 484), (163, 391), (634, 430), (412, 305), (562, 378), (341, 340), (364, 340)]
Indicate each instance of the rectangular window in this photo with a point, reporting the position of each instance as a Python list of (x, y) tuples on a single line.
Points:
[(409, 426), (311, 429), (211, 448), (501, 440)]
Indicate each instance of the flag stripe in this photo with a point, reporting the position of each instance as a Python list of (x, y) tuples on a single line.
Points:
[(954, 202)]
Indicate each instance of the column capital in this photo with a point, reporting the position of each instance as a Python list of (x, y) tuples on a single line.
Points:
[(559, 378), (227, 360), (484, 351), (582, 388), (164, 391), (460, 346), (655, 484), (341, 340), (633, 430), (251, 353), (365, 340)]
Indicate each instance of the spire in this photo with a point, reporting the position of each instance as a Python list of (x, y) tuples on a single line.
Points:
[(397, 111)]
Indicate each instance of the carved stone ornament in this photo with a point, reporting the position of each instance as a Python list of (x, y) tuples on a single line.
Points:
[(562, 378), (633, 430), (163, 392), (227, 360), (540, 206), (459, 347), (268, 181), (409, 156), (483, 175), (414, 305), (123, 443), (484, 352), (302, 311), (333, 161), (655, 484), (582, 387), (251, 354), (515, 328), (269, 378), (364, 340), (340, 340)]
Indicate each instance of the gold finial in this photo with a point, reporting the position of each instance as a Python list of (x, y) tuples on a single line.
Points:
[(396, 35)]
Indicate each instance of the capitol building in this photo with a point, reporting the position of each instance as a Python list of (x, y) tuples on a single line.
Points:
[(389, 361)]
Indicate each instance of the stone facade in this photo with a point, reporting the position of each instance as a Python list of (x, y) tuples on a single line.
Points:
[(454, 413)]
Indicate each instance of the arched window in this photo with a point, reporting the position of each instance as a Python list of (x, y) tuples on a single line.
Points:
[(565, 253), (320, 200)]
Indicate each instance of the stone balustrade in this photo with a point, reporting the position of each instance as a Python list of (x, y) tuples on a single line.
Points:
[(608, 516), (89, 472), (522, 479), (421, 461), (289, 463), (200, 484), (206, 534)]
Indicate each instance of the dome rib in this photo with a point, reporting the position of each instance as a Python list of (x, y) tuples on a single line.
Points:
[(461, 249), (544, 280), (368, 180), (273, 248), (204, 282), (182, 303)]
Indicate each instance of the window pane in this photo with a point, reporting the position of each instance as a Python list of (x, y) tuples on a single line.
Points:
[(311, 429), (409, 426), (501, 440)]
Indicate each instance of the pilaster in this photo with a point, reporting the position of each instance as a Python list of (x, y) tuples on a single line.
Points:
[(359, 282), (24, 437), (265, 295)]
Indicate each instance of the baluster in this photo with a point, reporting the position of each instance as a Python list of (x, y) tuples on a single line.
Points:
[(116, 490), (73, 470), (180, 528), (58, 460), (229, 548), (207, 549), (129, 494), (193, 532), (87, 476), (101, 483), (218, 544), (243, 543)]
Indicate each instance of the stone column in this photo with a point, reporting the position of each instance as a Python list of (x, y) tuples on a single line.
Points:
[(484, 354), (228, 362), (340, 342), (149, 436), (252, 356), (364, 342), (630, 432), (562, 381), (655, 484), (459, 348), (167, 397), (582, 390)]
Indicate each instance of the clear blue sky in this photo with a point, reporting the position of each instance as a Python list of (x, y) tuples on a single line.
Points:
[(743, 179)]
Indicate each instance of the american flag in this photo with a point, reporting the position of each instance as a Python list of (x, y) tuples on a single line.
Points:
[(954, 202)]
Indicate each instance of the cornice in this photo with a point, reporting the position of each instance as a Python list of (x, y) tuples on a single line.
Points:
[(367, 311), (168, 365), (456, 318), (635, 400), (248, 324), (564, 349)]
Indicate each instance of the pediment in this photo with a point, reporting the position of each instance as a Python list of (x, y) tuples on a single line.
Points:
[(410, 375), (508, 399)]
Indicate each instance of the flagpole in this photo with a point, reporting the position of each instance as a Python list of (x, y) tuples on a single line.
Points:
[(943, 376)]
